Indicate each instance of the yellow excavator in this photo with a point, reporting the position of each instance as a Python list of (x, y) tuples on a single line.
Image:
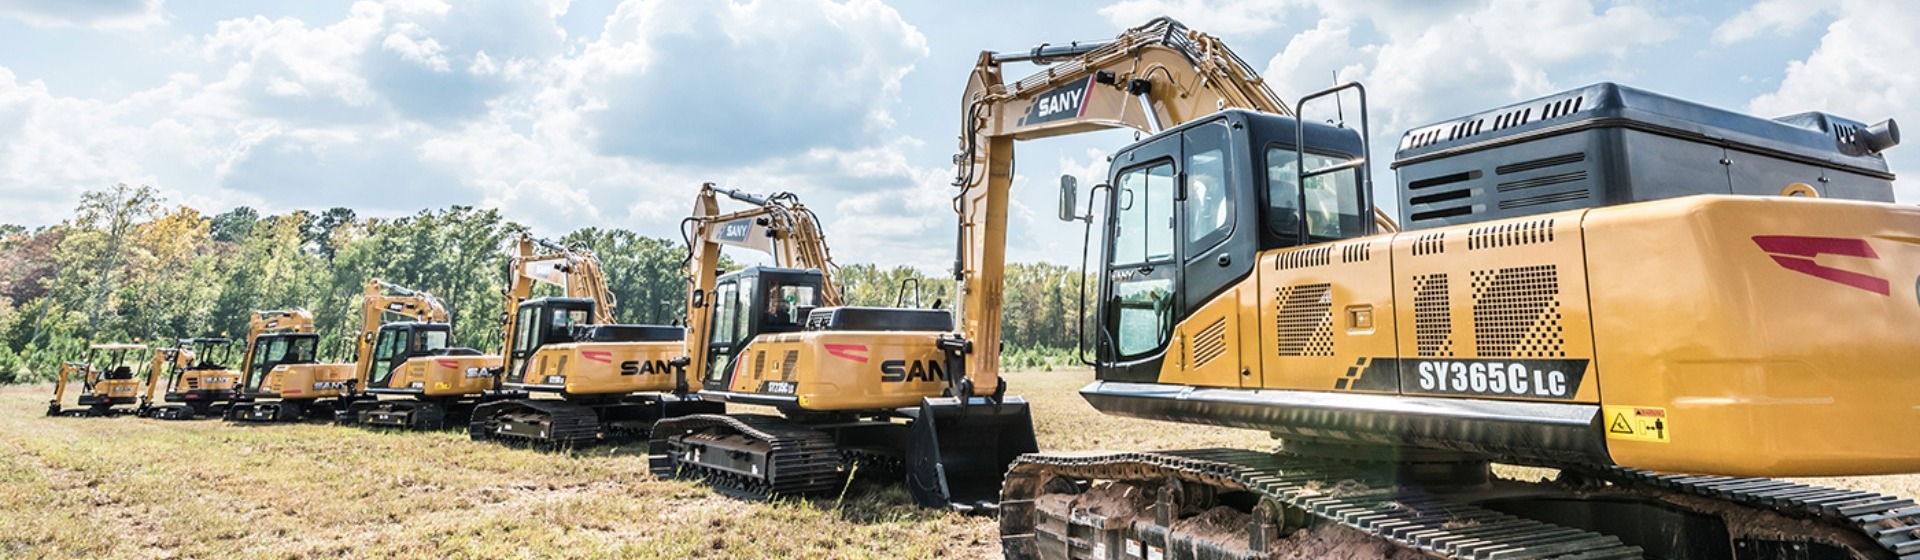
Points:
[(197, 383), (107, 381), (859, 389), (301, 387), (428, 382), (275, 339), (1658, 299), (609, 382)]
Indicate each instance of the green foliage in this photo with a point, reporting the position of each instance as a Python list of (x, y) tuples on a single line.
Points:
[(129, 268)]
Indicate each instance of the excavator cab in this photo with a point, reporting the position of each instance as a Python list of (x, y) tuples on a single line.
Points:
[(397, 342), (1189, 209), (198, 380), (543, 321), (755, 301), (271, 350)]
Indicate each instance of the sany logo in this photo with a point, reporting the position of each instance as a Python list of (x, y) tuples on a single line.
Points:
[(1796, 253), (855, 352), (598, 356)]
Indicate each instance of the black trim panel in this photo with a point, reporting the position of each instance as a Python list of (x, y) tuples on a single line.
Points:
[(1527, 432), (749, 398)]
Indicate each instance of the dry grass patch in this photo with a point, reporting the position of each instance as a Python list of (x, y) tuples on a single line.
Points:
[(135, 488)]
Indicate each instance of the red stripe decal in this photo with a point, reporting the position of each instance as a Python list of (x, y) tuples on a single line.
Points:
[(602, 357), (855, 352), (1796, 253), (449, 364)]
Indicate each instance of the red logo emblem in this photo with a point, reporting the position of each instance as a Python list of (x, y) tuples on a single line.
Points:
[(1796, 254), (598, 356), (855, 352)]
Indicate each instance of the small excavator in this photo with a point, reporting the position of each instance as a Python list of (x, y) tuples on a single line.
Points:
[(291, 390), (1659, 300), (612, 381), (197, 383), (860, 389), (107, 381), (271, 392), (427, 382)]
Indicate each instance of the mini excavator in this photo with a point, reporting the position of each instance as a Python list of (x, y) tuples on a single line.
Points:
[(859, 389), (612, 381), (197, 383), (107, 381), (1658, 299), (428, 383)]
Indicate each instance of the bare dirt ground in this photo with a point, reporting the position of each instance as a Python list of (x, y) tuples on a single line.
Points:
[(134, 488)]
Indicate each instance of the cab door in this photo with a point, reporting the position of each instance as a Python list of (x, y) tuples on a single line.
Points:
[(388, 345), (1217, 239), (1139, 299), (731, 328)]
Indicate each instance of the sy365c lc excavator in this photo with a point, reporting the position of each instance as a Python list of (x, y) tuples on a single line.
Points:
[(857, 388), (1656, 298), (612, 381)]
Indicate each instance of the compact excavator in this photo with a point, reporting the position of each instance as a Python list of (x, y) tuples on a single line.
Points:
[(859, 389), (300, 387), (429, 383), (107, 381), (1657, 299), (275, 339), (610, 382), (197, 383)]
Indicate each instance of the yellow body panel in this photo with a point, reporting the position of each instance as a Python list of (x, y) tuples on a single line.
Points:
[(209, 380), (1205, 350), (117, 388), (843, 370), (1325, 312), (603, 368), (308, 381), (1762, 369), (1738, 336), (447, 376)]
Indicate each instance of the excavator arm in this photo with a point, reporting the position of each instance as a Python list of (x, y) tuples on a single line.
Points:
[(778, 225), (382, 298), (576, 271), (1151, 77)]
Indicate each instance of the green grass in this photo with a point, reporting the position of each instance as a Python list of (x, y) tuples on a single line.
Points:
[(135, 488)]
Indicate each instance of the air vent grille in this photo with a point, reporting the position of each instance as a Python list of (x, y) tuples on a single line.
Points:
[(1507, 235), (1430, 244), (1304, 319), (760, 364), (1540, 199), (1357, 252), (1516, 313), (788, 365), (1210, 344), (1432, 316), (1305, 258)]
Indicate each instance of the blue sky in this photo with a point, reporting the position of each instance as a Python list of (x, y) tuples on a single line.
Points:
[(609, 113)]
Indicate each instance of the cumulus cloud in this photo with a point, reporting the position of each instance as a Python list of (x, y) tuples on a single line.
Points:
[(1859, 70), (1767, 16), (734, 83), (97, 14), (1219, 17)]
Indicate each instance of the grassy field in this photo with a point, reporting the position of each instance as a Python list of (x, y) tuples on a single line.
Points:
[(134, 488)]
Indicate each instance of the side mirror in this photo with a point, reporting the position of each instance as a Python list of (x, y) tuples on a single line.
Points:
[(1069, 198)]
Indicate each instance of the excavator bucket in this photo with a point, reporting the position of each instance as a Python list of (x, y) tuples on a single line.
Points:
[(958, 451)]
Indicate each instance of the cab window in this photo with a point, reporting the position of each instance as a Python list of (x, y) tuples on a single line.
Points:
[(1329, 205)]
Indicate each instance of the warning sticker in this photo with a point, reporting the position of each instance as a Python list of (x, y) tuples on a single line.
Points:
[(1638, 423)]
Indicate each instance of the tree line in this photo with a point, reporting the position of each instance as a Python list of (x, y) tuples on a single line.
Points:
[(129, 266)]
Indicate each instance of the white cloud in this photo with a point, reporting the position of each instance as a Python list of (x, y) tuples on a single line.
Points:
[(96, 14), (1862, 69), (1219, 17), (1768, 16)]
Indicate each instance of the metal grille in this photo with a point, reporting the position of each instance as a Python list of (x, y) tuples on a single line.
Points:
[(760, 364), (1430, 244), (1317, 256), (1516, 312), (787, 366), (1506, 235), (1211, 343), (1432, 316), (1304, 319), (1357, 252)]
